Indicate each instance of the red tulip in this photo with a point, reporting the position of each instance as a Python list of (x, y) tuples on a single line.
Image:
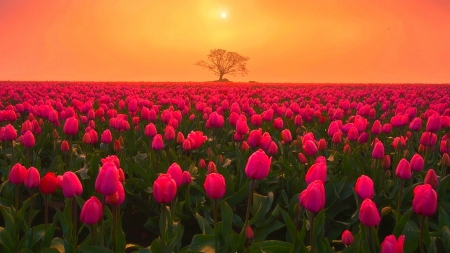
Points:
[(337, 137), (241, 126), (353, 134), (169, 133), (180, 138), (28, 139), (302, 158), (164, 188), (215, 120), (298, 121), (117, 146), (378, 150), (249, 233), (111, 158), (202, 163), (391, 245), (322, 144), (266, 139), (106, 137), (118, 197), (177, 174), (347, 237), (318, 171), (254, 138), (71, 126), (32, 178), (376, 127), (428, 139), (150, 130), (48, 183), (286, 136), (64, 146), (157, 142), (92, 211), (10, 133), (425, 200), (364, 187), (215, 186), (258, 165), (431, 178), (416, 163), (71, 185), (433, 123), (313, 197), (416, 125), (386, 163), (197, 138), (273, 148), (278, 123), (368, 213), (310, 148), (106, 182), (256, 120), (17, 174), (212, 168), (187, 178), (403, 170)]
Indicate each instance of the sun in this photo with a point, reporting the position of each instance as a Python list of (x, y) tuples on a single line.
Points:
[(224, 15)]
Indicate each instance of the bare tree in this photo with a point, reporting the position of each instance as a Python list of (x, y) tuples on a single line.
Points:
[(221, 62)]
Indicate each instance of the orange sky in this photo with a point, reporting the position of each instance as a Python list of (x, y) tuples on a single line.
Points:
[(287, 41)]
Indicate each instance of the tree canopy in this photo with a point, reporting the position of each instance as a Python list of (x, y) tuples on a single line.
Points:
[(221, 62)]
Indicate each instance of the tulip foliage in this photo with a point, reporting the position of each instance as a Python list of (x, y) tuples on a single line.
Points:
[(195, 167)]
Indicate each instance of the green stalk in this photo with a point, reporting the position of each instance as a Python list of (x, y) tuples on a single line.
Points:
[(422, 225), (16, 202), (46, 211), (114, 215), (31, 208), (215, 222), (163, 228), (371, 242), (311, 231), (249, 204), (400, 195), (92, 235), (74, 220), (102, 242)]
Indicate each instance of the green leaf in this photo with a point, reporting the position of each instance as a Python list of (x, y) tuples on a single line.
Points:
[(204, 225), (411, 233), (319, 222), (202, 243), (9, 218), (59, 244), (446, 238), (398, 229), (49, 250), (25, 251), (159, 246), (94, 249), (5, 240), (49, 232), (272, 246), (444, 218), (289, 223), (227, 219)]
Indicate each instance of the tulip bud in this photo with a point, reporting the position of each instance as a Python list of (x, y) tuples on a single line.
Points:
[(347, 149), (445, 161), (117, 198), (386, 163), (273, 148), (416, 163), (249, 233), (215, 185), (157, 142), (71, 126), (310, 148), (212, 167), (297, 208), (347, 238), (318, 171), (106, 182), (28, 139), (64, 146), (302, 158), (202, 163), (187, 178), (245, 146), (431, 178), (386, 210), (117, 146), (55, 134), (209, 152), (92, 211), (378, 150)]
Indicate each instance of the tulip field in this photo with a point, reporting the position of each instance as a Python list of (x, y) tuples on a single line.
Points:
[(224, 167)]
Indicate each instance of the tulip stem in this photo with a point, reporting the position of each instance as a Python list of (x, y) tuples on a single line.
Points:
[(12, 152), (311, 231), (114, 214), (92, 235), (400, 195), (371, 244), (31, 208), (215, 222), (16, 202), (163, 228), (101, 223), (46, 211), (422, 225), (249, 204), (74, 220)]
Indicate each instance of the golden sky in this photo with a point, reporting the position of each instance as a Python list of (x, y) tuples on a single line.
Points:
[(352, 41)]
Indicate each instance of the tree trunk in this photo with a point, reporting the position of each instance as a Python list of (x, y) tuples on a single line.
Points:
[(220, 78)]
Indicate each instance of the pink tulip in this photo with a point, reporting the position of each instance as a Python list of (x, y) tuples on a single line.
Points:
[(368, 213), (310, 148), (71, 185), (177, 174), (118, 197), (378, 150), (425, 200), (241, 126), (71, 126), (28, 139), (106, 182), (106, 137), (403, 170), (416, 163), (433, 123), (17, 174), (164, 188), (92, 211), (286, 136), (364, 187), (347, 238), (197, 138), (157, 142), (150, 130), (32, 178), (431, 178), (313, 197), (318, 171), (186, 177), (215, 186), (278, 123), (391, 245), (254, 138), (258, 165)]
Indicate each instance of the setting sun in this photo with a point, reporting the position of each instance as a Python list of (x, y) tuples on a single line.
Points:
[(224, 15)]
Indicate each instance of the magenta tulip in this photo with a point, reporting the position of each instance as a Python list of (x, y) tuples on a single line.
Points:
[(91, 211), (364, 187), (258, 165), (313, 197), (425, 200), (215, 186), (164, 188)]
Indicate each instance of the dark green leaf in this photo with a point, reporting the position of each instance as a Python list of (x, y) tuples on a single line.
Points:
[(6, 241)]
